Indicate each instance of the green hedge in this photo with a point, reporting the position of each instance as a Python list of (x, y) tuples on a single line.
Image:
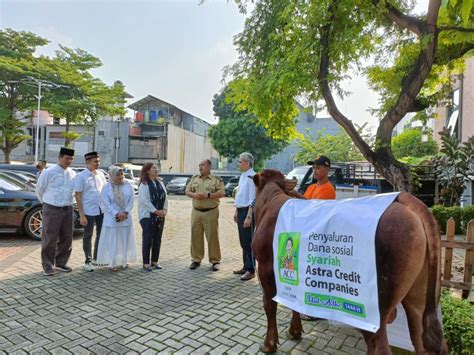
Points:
[(461, 216), (458, 323)]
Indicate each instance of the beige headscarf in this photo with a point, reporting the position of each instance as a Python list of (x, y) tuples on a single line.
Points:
[(118, 193)]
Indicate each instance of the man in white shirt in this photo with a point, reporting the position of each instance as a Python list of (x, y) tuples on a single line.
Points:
[(243, 215), (88, 185), (55, 191)]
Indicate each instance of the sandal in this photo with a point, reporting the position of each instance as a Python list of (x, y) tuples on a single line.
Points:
[(114, 269)]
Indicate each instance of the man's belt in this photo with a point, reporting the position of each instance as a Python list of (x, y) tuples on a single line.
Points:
[(204, 209), (57, 207)]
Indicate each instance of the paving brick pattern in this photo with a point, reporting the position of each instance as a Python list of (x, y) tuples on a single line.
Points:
[(174, 310)]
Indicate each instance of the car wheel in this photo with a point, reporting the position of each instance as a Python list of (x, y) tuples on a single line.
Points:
[(33, 223)]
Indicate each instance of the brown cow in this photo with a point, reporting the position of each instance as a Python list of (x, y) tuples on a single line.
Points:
[(407, 247)]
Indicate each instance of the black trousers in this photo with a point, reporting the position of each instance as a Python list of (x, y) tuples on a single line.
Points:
[(87, 239), (151, 239), (245, 237)]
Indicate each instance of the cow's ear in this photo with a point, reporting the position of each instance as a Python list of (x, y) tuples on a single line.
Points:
[(256, 180)]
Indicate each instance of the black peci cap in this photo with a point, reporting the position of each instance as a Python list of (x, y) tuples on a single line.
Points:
[(321, 160), (91, 155), (66, 151)]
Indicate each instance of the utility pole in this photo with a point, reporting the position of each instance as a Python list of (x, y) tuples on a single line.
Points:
[(39, 82)]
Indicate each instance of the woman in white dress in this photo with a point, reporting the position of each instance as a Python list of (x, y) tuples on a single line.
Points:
[(117, 239)]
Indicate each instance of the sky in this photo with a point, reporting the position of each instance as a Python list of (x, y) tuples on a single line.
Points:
[(172, 49)]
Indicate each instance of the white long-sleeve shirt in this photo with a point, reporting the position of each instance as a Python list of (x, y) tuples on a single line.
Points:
[(55, 186), (246, 191), (111, 208), (145, 207)]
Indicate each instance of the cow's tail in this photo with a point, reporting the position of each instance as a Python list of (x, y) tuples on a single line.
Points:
[(432, 335)]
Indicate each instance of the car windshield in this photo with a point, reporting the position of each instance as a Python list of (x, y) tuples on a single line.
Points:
[(10, 184), (180, 180), (234, 181), (298, 173)]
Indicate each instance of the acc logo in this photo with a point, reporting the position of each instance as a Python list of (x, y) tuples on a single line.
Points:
[(288, 251)]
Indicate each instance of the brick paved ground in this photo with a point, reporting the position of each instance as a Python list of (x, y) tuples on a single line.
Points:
[(172, 310)]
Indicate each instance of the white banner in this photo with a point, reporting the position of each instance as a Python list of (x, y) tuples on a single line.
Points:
[(325, 258)]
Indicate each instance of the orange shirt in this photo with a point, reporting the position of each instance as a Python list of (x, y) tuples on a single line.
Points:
[(322, 192)]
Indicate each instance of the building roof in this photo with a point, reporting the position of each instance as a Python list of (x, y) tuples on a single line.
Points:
[(152, 99)]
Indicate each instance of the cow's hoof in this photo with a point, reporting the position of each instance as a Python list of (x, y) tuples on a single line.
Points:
[(269, 348), (294, 335)]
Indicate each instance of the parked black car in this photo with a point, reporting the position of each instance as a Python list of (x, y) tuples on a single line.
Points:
[(177, 185), (231, 185), (22, 176), (21, 211)]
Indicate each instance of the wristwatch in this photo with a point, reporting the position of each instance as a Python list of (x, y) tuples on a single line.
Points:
[(208, 195)]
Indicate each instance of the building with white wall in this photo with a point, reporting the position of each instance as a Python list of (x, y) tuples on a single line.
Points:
[(174, 139)]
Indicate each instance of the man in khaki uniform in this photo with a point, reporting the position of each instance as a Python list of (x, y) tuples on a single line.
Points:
[(205, 190)]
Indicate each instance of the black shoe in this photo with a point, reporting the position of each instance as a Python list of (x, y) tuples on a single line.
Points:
[(215, 267), (194, 265), (63, 268), (247, 276), (239, 272), (48, 271), (147, 269)]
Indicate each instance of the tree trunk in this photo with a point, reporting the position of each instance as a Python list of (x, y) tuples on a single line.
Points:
[(396, 173), (7, 151), (67, 141)]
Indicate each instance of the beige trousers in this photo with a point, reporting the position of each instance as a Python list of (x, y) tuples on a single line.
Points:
[(205, 223)]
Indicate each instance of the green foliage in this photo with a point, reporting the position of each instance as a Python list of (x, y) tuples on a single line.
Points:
[(462, 217), (458, 324), (82, 99), (307, 48), (239, 131), (442, 214), (338, 147), (70, 136), (16, 64), (409, 144), (423, 160), (453, 167), (467, 215)]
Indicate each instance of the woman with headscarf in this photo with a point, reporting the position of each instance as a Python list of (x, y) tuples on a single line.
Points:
[(152, 207), (117, 239)]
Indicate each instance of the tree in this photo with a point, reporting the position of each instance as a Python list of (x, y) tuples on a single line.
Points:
[(291, 48), (83, 98), (338, 147), (408, 144), (239, 132), (16, 64), (453, 167)]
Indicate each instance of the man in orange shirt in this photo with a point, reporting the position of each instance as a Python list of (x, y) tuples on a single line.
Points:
[(322, 189)]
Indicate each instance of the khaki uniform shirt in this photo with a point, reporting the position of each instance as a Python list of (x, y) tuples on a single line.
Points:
[(205, 184)]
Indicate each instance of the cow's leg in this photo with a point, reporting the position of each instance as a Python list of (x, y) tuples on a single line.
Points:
[(377, 343), (414, 304), (369, 341), (267, 279), (296, 329)]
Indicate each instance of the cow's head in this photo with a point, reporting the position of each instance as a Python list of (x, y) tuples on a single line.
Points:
[(268, 175)]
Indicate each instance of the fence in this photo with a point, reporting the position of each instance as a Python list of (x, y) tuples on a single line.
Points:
[(449, 244)]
